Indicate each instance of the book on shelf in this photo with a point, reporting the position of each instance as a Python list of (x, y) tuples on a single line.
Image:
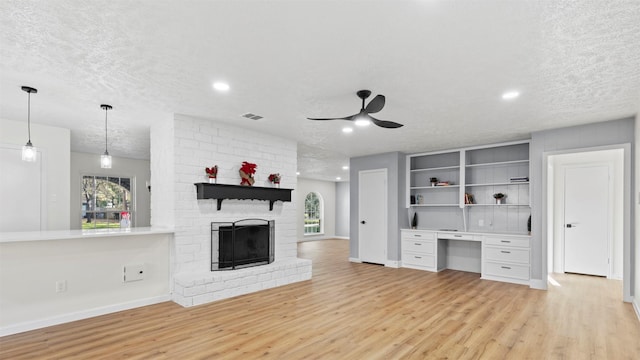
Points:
[(468, 198), (442, 183)]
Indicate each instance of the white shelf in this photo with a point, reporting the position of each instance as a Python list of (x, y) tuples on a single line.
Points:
[(435, 169), (433, 205), (433, 187), (501, 183), (500, 163), (471, 205)]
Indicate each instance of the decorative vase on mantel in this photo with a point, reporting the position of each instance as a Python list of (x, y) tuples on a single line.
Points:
[(213, 180)]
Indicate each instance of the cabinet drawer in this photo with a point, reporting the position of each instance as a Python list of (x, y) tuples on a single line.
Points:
[(507, 270), (418, 235), (507, 241), (454, 236), (418, 246), (514, 255), (419, 259)]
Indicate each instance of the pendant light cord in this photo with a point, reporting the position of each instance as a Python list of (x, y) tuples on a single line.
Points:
[(105, 130), (29, 116)]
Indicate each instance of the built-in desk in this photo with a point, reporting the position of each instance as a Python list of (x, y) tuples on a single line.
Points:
[(499, 257)]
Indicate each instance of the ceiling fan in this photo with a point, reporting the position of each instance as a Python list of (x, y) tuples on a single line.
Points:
[(363, 117)]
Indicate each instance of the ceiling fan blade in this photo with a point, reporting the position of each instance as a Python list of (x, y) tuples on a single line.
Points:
[(385, 123), (376, 104), (342, 118)]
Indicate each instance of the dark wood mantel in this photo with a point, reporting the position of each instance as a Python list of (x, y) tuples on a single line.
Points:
[(223, 191)]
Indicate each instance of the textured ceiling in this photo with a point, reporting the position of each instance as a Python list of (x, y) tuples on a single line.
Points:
[(442, 64)]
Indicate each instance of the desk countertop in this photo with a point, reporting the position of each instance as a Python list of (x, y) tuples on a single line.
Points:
[(470, 232)]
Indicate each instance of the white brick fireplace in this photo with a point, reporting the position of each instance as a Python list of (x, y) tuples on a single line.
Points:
[(181, 148)]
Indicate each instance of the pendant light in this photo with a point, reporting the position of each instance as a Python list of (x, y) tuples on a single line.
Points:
[(105, 159), (29, 152)]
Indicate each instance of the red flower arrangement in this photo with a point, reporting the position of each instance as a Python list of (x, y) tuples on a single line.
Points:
[(246, 173), (212, 171), (275, 178)]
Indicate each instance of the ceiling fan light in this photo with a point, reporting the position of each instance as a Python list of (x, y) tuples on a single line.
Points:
[(347, 130), (363, 122), (510, 95)]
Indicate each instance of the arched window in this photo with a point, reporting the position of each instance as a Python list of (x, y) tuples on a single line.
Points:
[(313, 214)]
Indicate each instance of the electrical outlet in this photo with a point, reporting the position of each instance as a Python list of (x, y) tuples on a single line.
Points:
[(61, 286)]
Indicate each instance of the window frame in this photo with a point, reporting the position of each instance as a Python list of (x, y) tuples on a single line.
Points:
[(320, 211), (108, 212)]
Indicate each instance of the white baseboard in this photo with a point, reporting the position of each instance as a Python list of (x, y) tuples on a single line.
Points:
[(342, 237), (538, 284), (392, 264), (85, 314), (636, 306), (355, 260)]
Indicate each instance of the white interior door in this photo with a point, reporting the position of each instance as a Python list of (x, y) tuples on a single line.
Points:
[(372, 209), (586, 213)]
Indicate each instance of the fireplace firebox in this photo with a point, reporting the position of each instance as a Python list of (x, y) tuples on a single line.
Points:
[(242, 243)]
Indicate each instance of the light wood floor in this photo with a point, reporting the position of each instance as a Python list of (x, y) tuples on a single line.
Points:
[(361, 311)]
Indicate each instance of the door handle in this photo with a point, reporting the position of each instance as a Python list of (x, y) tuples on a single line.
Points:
[(363, 222), (571, 225)]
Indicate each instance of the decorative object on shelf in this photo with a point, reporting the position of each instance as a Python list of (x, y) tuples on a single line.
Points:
[(529, 225), (212, 172), (275, 179), (105, 159), (412, 200), (468, 198), (420, 199), (414, 221), (434, 181), (443, 183), (246, 173), (519, 179), (499, 197), (29, 152)]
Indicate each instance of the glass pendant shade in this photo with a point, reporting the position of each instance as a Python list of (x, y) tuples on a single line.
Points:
[(29, 152), (105, 160)]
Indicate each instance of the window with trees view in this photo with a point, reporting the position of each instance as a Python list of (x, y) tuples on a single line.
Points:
[(106, 202), (313, 214)]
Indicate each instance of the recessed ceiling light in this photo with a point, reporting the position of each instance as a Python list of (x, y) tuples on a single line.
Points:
[(221, 86), (297, 172), (345, 167), (347, 130), (338, 178), (509, 95)]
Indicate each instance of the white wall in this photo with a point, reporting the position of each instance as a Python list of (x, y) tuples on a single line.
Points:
[(89, 164), (636, 197), (327, 191), (613, 158), (93, 271), (54, 145), (342, 209)]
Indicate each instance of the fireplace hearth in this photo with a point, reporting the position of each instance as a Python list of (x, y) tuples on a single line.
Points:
[(243, 243)]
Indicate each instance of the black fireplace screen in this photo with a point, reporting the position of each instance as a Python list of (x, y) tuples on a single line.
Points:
[(242, 243)]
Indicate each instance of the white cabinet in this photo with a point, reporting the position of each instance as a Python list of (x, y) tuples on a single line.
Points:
[(420, 250), (506, 258)]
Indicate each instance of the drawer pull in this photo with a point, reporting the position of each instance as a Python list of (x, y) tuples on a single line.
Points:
[(457, 235), (418, 244), (417, 235), (505, 267), (506, 241), (505, 252), (417, 257)]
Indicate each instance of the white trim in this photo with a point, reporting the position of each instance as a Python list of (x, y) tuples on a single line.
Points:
[(636, 306), (80, 315), (538, 284), (392, 264), (355, 260), (342, 237)]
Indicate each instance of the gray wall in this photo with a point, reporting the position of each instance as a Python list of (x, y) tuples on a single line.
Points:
[(89, 164), (342, 209), (396, 182), (574, 138)]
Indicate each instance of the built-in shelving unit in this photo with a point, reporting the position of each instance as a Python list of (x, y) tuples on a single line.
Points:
[(477, 173), (222, 192)]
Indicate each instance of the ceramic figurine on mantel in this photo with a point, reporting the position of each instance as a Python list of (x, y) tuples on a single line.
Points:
[(246, 173), (275, 179), (212, 172)]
